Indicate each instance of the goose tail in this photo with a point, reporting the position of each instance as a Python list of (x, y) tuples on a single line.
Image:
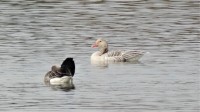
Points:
[(68, 66), (133, 55)]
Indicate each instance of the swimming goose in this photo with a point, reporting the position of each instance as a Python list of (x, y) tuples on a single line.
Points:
[(61, 76), (114, 56)]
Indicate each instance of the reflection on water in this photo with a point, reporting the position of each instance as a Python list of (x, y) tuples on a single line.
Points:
[(36, 34), (63, 87), (100, 63)]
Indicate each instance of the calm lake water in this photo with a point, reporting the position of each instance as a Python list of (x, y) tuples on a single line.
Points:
[(35, 34)]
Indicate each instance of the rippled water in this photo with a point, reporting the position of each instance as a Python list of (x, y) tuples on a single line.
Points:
[(36, 34)]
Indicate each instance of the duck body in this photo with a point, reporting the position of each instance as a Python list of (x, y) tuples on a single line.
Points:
[(114, 56), (61, 75)]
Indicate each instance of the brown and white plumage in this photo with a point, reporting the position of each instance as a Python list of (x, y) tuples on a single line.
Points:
[(116, 55), (61, 75)]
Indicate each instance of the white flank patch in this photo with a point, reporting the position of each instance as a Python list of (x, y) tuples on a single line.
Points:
[(61, 81)]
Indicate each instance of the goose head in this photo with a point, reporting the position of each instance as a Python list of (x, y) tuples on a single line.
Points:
[(102, 45), (55, 68)]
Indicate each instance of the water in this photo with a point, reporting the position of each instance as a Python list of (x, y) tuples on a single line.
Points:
[(36, 34)]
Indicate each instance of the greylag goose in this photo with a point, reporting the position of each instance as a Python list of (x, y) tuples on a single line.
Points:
[(61, 75), (114, 56)]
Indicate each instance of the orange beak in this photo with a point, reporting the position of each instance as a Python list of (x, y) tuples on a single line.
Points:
[(94, 45)]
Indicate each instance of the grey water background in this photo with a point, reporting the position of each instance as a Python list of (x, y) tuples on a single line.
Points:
[(35, 34)]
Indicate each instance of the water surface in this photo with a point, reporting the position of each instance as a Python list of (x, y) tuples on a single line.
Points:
[(36, 34)]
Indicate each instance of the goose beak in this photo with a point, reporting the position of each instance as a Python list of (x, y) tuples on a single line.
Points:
[(94, 45)]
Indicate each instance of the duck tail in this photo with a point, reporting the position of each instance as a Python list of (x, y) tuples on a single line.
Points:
[(68, 66)]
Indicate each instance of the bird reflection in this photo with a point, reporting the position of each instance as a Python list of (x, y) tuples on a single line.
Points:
[(101, 64), (64, 87)]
